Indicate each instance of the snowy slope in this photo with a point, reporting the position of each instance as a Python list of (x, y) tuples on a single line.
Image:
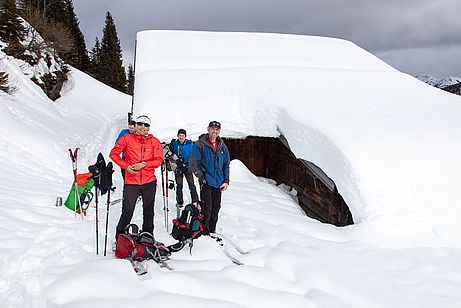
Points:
[(390, 142), (35, 168), (47, 257)]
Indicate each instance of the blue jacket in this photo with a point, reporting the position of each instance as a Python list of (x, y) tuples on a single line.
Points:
[(208, 165), (182, 150), (124, 132)]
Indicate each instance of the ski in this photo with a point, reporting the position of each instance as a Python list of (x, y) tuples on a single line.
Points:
[(139, 268), (113, 202), (163, 264), (226, 251), (221, 237), (230, 256), (77, 201)]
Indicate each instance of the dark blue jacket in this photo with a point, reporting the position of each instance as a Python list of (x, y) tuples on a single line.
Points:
[(182, 150), (208, 165), (124, 132)]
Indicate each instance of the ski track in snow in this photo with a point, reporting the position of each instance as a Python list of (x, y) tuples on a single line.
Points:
[(302, 262), (34, 246), (291, 259)]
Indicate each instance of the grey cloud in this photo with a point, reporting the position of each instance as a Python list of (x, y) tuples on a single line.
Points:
[(439, 61), (378, 26)]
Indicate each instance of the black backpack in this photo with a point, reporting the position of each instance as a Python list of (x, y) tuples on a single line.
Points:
[(170, 164), (189, 224), (100, 175)]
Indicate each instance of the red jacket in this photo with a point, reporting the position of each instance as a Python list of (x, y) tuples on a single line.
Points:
[(138, 149)]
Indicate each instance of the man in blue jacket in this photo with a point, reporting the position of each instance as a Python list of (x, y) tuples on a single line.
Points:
[(181, 149), (131, 129), (210, 163)]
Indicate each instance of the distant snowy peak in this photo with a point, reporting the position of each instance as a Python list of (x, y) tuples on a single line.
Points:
[(439, 83), (431, 80)]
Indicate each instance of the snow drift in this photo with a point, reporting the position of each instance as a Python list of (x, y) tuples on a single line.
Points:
[(47, 257), (390, 142)]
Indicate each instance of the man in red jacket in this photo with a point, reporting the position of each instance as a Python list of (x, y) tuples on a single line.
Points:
[(143, 153)]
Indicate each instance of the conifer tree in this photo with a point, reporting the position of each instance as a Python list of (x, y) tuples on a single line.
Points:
[(79, 56), (130, 87), (95, 63), (111, 71), (11, 28)]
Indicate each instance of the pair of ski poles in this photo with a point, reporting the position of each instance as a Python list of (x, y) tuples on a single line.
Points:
[(165, 193), (74, 158), (77, 201), (108, 204), (166, 184), (109, 171)]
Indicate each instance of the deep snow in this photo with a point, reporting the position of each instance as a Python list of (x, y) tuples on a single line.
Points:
[(390, 142), (47, 257)]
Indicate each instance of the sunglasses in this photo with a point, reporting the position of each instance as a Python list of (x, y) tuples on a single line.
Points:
[(141, 123), (215, 124)]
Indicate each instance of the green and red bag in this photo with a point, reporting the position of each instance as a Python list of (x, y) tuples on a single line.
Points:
[(85, 183)]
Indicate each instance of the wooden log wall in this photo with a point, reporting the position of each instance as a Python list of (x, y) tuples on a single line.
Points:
[(270, 158)]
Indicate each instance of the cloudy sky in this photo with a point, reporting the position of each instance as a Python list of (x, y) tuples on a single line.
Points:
[(414, 36)]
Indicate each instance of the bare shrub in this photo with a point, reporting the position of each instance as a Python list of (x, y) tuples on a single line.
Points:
[(55, 35), (4, 82)]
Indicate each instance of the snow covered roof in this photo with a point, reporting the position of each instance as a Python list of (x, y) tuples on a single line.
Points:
[(390, 142)]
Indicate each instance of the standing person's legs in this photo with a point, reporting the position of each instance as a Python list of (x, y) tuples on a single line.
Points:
[(148, 200), (130, 194), (179, 185), (205, 194), (215, 207), (190, 182)]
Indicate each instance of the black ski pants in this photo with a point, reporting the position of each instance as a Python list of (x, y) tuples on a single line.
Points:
[(179, 177), (131, 193), (211, 198)]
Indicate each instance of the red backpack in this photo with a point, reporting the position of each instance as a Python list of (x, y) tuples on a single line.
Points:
[(139, 247)]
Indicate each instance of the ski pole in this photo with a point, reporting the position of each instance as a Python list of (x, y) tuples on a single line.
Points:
[(97, 221), (107, 221), (163, 191), (167, 200), (76, 168), (109, 171), (73, 157)]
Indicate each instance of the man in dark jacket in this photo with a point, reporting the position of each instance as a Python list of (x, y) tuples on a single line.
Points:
[(143, 153), (210, 163), (181, 149), (131, 129)]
